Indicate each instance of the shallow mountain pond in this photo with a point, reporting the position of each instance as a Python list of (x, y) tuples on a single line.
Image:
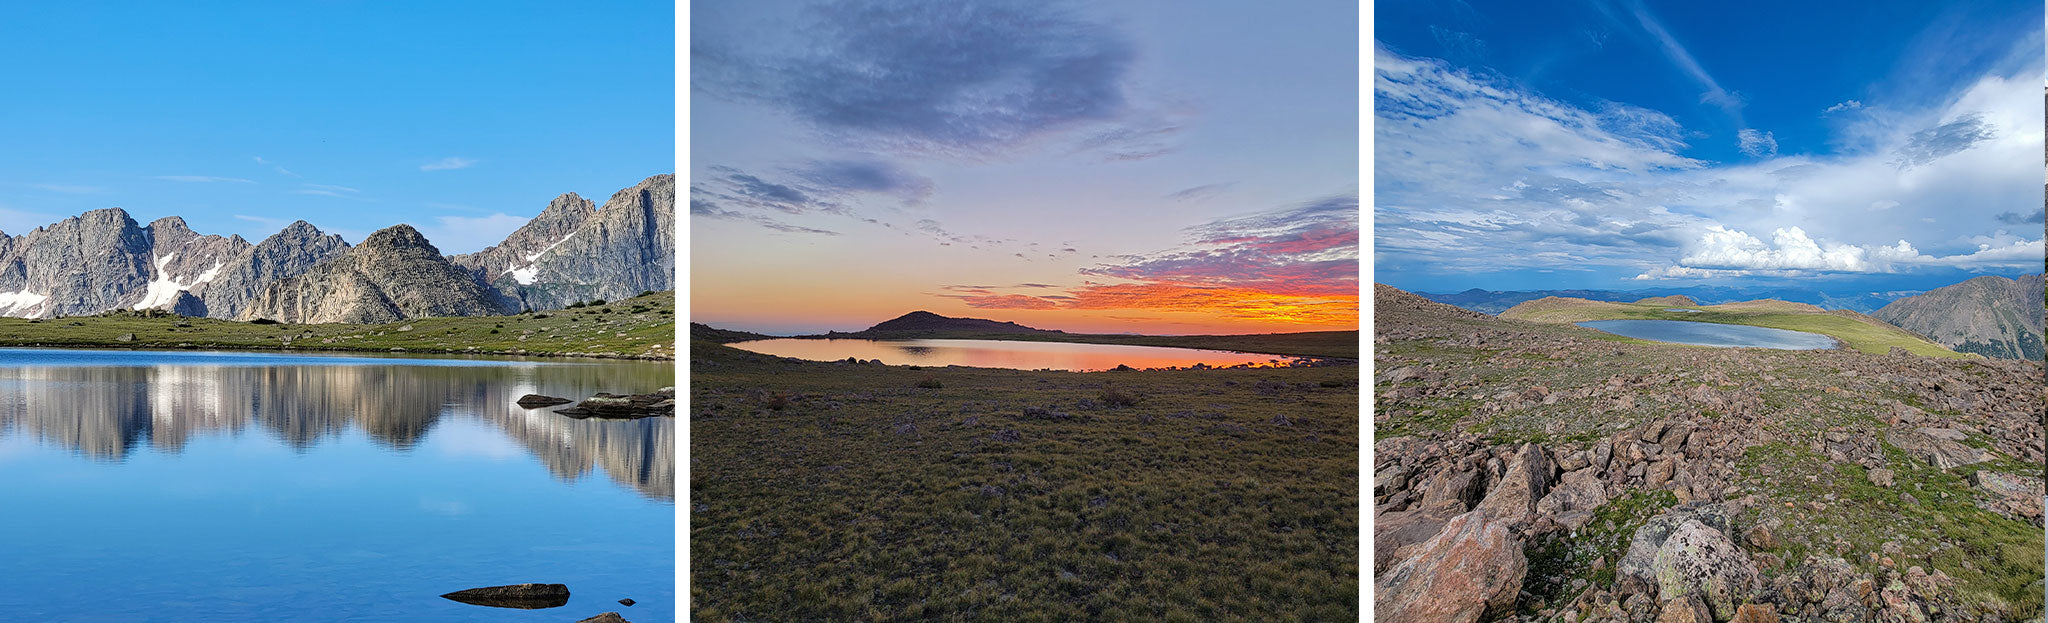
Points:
[(184, 486), (1714, 334)]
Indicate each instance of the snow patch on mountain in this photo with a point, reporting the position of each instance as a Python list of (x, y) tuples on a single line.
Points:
[(164, 290)]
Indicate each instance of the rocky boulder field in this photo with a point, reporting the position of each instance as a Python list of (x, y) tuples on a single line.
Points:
[(1546, 472)]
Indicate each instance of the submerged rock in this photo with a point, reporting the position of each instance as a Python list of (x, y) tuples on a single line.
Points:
[(521, 596)]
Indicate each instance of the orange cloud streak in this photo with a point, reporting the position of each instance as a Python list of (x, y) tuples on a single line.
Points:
[(1235, 303)]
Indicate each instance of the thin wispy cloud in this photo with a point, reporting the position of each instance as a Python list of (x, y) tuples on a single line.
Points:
[(276, 167), (465, 234), (69, 189), (1848, 105), (449, 164), (202, 179), (1198, 193), (332, 189)]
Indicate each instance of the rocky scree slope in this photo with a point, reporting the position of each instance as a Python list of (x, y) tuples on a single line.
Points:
[(1543, 472), (1991, 316)]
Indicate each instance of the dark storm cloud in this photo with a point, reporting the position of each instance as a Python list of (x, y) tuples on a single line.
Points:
[(1931, 144), (935, 76), (2015, 218), (870, 176)]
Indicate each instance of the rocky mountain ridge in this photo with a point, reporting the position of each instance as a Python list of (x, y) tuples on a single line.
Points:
[(923, 321), (103, 260), (1991, 316)]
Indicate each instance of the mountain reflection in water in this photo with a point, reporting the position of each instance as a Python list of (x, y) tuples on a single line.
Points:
[(106, 412)]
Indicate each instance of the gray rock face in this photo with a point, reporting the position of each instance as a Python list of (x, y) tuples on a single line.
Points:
[(1990, 316), (625, 248), (393, 275), (524, 247), (286, 254), (92, 262), (103, 260)]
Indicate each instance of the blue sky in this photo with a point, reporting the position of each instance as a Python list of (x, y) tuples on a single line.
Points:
[(1625, 144), (1156, 165), (462, 119)]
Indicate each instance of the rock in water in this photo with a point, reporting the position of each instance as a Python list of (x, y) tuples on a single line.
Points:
[(661, 402), (608, 617), (536, 401), (626, 602), (1470, 571), (521, 596)]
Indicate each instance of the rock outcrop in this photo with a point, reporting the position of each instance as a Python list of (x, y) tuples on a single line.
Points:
[(394, 274), (569, 254), (1470, 571)]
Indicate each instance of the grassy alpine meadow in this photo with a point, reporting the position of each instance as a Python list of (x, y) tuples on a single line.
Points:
[(857, 491), (642, 327)]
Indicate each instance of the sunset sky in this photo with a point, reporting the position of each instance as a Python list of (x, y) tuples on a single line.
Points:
[(1155, 167), (1622, 144)]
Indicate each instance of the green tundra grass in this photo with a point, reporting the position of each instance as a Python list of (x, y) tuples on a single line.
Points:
[(844, 492), (641, 327), (1856, 331)]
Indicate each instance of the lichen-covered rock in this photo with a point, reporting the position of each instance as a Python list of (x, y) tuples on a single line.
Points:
[(1700, 560), (1635, 572), (2010, 495), (1470, 571)]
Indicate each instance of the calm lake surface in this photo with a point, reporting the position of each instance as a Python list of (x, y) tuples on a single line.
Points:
[(182, 486), (1002, 353), (1713, 334)]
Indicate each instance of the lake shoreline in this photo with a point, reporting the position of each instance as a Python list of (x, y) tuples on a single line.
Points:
[(249, 348), (995, 353)]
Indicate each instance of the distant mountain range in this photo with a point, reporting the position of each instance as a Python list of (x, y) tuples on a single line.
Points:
[(1990, 316), (1495, 302), (927, 322), (103, 260)]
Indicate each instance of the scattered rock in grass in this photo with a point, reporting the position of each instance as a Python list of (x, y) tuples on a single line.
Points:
[(125, 337), (2009, 495), (1007, 435)]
